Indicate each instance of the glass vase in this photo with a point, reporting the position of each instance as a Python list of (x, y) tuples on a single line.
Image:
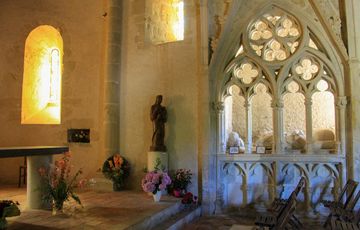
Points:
[(57, 207), (157, 196)]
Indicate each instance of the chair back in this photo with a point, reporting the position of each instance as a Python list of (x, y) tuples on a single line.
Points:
[(353, 201), (286, 212), (347, 192), (300, 185)]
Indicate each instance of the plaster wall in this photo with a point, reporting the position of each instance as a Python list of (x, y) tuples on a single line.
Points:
[(169, 69), (81, 26)]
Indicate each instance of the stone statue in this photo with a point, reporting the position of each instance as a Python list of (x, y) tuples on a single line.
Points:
[(235, 140), (158, 116)]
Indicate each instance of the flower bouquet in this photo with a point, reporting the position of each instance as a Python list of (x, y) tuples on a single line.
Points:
[(59, 184), (117, 169), (181, 180), (155, 182), (189, 200), (8, 208)]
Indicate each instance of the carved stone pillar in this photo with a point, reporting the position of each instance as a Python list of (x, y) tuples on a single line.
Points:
[(340, 105), (308, 120), (248, 134), (221, 142), (112, 78), (278, 121)]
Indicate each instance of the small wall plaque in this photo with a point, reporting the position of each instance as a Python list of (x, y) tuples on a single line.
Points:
[(234, 150), (79, 135), (260, 149)]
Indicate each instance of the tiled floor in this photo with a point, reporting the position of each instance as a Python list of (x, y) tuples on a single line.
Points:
[(119, 210), (107, 210)]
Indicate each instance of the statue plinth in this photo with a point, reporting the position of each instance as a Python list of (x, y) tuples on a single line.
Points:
[(161, 148), (158, 159)]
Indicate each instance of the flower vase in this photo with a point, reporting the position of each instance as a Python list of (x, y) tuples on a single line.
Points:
[(57, 207), (157, 196)]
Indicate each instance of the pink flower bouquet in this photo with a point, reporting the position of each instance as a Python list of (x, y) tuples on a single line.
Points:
[(155, 181)]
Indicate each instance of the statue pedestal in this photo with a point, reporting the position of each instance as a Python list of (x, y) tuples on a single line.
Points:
[(154, 157)]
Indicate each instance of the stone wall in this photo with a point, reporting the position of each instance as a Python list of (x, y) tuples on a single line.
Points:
[(82, 29), (169, 69), (294, 113)]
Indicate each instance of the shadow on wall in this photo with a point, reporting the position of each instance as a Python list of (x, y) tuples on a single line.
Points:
[(175, 106), (170, 132), (179, 137)]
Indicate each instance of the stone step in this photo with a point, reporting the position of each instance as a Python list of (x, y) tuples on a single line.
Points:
[(179, 220), (101, 183), (155, 220)]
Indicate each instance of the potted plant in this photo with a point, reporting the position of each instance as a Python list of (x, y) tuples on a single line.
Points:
[(116, 168), (8, 208), (58, 183), (181, 179), (155, 182)]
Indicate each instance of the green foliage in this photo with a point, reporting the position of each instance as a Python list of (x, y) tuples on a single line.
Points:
[(158, 165), (181, 179)]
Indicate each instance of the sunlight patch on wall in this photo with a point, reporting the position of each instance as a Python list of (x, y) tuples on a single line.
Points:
[(41, 93), (165, 20)]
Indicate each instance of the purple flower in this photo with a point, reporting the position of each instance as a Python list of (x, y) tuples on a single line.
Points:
[(162, 186)]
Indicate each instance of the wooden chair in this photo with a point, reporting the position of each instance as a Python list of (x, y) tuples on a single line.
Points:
[(22, 173), (342, 208), (278, 220), (347, 213), (344, 219), (278, 204), (344, 196), (343, 225)]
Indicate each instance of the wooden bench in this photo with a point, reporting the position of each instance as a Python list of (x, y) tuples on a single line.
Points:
[(278, 220)]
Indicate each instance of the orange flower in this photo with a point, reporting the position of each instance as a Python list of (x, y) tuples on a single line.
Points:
[(117, 160)]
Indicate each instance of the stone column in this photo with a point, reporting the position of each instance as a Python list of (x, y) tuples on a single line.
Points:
[(352, 7), (248, 134), (278, 121), (340, 106), (308, 120), (221, 142), (33, 190), (112, 77)]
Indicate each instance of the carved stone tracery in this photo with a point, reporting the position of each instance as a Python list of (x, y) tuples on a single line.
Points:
[(261, 181)]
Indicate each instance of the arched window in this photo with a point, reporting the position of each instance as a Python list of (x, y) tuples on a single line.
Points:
[(165, 20), (41, 92), (290, 85)]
